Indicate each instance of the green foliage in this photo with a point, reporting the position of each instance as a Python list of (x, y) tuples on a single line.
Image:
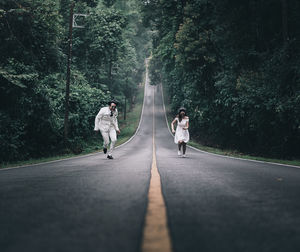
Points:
[(235, 66), (107, 61)]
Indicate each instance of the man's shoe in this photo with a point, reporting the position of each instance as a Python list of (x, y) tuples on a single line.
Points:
[(104, 150), (110, 157)]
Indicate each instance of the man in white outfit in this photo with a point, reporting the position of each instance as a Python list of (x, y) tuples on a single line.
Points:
[(106, 121)]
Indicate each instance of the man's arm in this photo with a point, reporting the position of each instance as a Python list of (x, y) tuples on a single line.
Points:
[(98, 118), (115, 122)]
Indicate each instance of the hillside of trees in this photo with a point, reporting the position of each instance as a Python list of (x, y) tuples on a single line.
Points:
[(108, 61), (235, 66)]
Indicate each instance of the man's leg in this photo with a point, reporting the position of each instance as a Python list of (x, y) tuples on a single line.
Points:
[(113, 139), (105, 136)]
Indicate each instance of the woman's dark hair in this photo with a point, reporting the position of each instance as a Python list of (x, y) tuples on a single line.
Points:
[(179, 115)]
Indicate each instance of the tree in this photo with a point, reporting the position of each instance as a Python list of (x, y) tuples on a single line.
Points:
[(34, 39), (227, 63)]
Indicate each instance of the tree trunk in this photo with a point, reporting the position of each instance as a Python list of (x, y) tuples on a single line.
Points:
[(66, 120), (125, 108), (285, 35), (110, 75)]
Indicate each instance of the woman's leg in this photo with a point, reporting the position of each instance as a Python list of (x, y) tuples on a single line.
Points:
[(183, 147), (179, 145)]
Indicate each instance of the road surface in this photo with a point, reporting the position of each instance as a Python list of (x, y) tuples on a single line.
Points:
[(90, 203)]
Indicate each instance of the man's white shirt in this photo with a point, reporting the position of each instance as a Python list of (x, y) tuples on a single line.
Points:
[(104, 121)]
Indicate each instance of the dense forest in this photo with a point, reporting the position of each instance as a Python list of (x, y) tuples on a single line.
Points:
[(235, 66), (107, 62)]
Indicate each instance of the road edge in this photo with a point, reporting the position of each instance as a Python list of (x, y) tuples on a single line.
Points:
[(219, 155), (86, 155)]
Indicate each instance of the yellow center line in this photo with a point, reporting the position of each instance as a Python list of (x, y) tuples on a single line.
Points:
[(156, 236)]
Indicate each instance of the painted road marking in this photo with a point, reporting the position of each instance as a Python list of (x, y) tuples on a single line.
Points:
[(156, 236)]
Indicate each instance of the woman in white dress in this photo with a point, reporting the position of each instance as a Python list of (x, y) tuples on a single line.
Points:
[(182, 135)]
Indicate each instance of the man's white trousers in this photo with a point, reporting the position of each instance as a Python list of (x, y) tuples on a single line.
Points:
[(111, 133)]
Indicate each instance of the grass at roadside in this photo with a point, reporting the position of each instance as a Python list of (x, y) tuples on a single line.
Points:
[(231, 153), (234, 153), (127, 127)]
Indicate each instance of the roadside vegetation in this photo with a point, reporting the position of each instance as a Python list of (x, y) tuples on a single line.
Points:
[(235, 67), (128, 128), (226, 152), (107, 62)]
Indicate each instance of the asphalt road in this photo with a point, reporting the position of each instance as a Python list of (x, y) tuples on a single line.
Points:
[(90, 203), (216, 203)]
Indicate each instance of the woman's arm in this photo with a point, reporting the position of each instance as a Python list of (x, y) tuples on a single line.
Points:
[(172, 125), (187, 125)]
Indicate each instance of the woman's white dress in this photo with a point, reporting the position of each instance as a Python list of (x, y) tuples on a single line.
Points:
[(181, 134)]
